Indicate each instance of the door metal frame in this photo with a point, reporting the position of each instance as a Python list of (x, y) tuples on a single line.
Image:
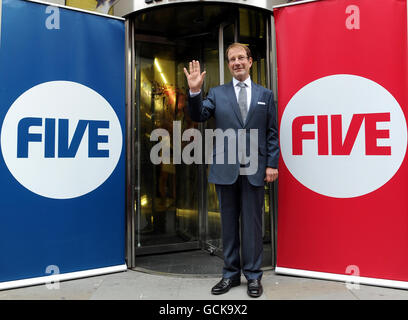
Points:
[(126, 7), (273, 85), (130, 124)]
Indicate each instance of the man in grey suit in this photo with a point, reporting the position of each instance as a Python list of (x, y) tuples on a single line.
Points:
[(239, 105)]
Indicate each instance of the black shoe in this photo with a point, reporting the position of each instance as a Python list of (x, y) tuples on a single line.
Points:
[(224, 285), (254, 288)]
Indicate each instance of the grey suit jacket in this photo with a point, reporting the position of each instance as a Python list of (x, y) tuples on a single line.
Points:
[(221, 103)]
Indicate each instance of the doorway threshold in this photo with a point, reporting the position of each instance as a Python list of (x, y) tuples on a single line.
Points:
[(193, 263)]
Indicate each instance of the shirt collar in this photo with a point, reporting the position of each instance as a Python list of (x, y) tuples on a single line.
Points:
[(247, 82)]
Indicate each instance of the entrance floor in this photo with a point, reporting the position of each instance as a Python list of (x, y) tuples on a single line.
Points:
[(198, 263), (194, 262)]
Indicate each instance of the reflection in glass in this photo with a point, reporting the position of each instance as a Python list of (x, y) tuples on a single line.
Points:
[(168, 192)]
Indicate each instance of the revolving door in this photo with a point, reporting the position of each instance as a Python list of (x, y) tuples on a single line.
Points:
[(170, 206)]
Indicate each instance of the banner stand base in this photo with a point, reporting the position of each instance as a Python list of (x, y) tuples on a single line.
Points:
[(61, 277), (344, 278)]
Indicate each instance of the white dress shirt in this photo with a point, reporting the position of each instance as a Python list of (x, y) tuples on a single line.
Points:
[(236, 89)]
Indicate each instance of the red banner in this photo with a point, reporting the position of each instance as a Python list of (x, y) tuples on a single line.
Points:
[(343, 181)]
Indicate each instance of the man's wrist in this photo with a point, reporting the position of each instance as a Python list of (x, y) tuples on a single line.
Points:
[(194, 93)]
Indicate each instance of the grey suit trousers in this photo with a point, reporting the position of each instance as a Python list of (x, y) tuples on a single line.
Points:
[(241, 200)]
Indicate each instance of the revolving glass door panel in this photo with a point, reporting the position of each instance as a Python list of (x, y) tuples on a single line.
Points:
[(168, 190), (170, 203)]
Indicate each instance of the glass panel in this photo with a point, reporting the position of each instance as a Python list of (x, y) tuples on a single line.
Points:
[(251, 24), (252, 31), (171, 196), (168, 192), (213, 234), (229, 35)]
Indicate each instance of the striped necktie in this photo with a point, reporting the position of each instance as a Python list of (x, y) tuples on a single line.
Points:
[(242, 100)]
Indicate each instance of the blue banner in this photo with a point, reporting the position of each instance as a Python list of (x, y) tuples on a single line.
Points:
[(62, 161)]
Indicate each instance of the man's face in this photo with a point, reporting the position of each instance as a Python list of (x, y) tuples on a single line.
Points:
[(239, 63)]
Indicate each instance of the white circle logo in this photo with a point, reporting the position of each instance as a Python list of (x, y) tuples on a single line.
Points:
[(61, 139), (343, 136)]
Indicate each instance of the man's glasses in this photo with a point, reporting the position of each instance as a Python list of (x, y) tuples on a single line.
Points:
[(240, 59)]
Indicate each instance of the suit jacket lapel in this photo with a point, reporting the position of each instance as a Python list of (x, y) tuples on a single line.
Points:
[(255, 93), (234, 103)]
